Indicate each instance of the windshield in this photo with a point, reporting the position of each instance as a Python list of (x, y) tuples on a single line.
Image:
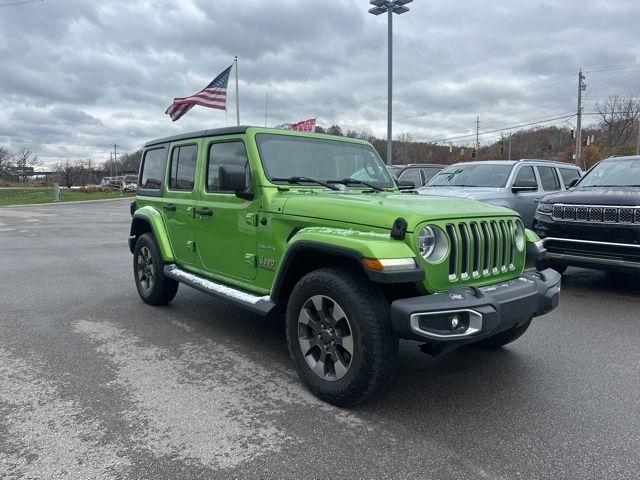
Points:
[(614, 173), (131, 178), (285, 156), (472, 175)]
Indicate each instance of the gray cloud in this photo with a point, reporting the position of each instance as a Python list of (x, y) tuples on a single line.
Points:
[(79, 76)]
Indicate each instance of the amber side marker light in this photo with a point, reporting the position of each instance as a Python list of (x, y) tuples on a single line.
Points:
[(389, 264)]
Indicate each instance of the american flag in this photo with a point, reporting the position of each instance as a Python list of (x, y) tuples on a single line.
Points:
[(305, 125), (213, 95)]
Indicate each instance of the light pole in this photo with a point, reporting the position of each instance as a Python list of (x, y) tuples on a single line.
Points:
[(389, 7)]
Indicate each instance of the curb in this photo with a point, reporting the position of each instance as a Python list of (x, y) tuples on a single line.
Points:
[(75, 202)]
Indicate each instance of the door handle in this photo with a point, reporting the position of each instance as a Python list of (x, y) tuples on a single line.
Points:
[(169, 207), (204, 212)]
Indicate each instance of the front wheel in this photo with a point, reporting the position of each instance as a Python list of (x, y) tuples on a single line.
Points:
[(503, 338), (148, 271), (339, 336)]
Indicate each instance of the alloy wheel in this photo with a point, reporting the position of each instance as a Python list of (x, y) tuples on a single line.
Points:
[(325, 337)]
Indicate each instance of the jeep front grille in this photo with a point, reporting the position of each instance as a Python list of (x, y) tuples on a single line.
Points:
[(481, 248), (595, 214)]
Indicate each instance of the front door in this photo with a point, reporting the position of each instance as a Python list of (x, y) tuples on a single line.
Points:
[(226, 226), (525, 203), (178, 209)]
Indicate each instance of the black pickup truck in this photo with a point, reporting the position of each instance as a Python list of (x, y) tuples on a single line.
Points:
[(596, 224)]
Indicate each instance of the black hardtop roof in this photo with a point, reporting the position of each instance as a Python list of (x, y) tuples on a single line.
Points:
[(212, 132), (199, 133)]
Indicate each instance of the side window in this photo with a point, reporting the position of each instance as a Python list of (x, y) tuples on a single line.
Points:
[(549, 179), (525, 174), (411, 175), (152, 168), (183, 167), (225, 153), (568, 174), (429, 173)]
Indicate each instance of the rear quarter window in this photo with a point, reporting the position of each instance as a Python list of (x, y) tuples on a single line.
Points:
[(152, 169)]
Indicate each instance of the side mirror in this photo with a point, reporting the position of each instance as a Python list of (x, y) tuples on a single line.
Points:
[(233, 178), (573, 182), (524, 186)]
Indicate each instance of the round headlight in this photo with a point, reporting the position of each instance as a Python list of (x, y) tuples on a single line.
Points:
[(518, 235), (432, 243)]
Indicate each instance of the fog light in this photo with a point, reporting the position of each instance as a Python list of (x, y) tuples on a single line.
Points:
[(455, 322)]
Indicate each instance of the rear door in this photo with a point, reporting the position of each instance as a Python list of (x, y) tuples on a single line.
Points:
[(178, 209)]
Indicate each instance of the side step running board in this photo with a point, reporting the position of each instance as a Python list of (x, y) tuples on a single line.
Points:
[(261, 305)]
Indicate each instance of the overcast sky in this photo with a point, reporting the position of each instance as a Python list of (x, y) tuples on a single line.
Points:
[(79, 75)]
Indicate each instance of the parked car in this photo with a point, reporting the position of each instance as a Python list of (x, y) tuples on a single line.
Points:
[(130, 183), (105, 182), (416, 173), (116, 181), (597, 223), (515, 184), (314, 227)]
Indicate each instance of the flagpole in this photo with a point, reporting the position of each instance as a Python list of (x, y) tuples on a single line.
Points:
[(237, 94)]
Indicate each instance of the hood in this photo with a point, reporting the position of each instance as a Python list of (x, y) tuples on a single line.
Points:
[(476, 193), (597, 196), (382, 209)]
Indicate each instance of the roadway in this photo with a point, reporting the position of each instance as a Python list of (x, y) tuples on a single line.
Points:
[(96, 384)]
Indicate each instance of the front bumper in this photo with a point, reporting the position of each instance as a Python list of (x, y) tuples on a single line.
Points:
[(604, 246), (479, 312)]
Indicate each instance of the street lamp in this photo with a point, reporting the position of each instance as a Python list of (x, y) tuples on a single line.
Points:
[(389, 7)]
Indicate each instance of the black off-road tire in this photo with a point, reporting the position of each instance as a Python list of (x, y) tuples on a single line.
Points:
[(503, 338), (374, 347), (153, 286)]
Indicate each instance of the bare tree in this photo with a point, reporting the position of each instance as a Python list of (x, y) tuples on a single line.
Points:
[(25, 159), (69, 174), (619, 116)]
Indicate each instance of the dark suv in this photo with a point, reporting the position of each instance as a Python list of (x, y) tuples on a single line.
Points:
[(597, 223), (416, 173)]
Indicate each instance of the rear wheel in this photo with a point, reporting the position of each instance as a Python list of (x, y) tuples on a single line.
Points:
[(148, 271), (503, 338), (339, 336)]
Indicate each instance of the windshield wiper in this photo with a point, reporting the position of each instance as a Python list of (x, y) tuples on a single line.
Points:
[(298, 180), (355, 181)]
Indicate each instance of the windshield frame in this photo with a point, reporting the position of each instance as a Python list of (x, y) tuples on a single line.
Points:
[(508, 167), (389, 184), (607, 161)]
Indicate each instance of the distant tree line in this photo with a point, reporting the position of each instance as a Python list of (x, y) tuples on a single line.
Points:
[(615, 133)]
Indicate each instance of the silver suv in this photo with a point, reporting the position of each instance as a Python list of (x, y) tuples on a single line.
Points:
[(515, 184)]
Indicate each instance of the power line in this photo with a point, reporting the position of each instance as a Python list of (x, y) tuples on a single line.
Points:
[(21, 2), (501, 129)]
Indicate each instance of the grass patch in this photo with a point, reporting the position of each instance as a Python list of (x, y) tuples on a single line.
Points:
[(22, 196)]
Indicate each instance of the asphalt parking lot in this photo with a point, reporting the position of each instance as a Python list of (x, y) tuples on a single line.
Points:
[(96, 384)]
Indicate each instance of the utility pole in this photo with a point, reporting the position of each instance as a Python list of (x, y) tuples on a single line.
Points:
[(237, 94), (509, 146), (638, 140), (581, 87), (477, 136)]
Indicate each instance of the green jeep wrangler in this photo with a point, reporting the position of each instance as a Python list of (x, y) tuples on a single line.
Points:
[(313, 226)]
